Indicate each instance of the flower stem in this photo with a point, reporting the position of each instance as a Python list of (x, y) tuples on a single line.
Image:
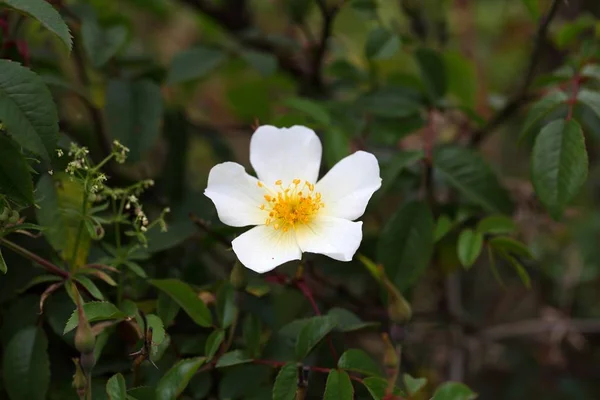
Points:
[(47, 265)]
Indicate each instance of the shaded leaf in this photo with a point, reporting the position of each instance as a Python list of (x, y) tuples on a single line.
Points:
[(315, 110), (183, 295), (510, 246), (213, 343), (453, 391), (265, 63), (15, 179), (462, 79), (346, 321), (496, 224), (116, 388), (540, 109), (469, 246), (559, 165), (90, 286), (231, 358), (359, 361), (193, 64), (286, 383), (95, 311), (442, 227), (158, 328), (252, 330), (3, 267), (315, 329), (433, 72), (338, 386), (226, 309), (413, 385), (101, 43), (174, 382), (377, 387), (406, 244), (27, 110), (167, 308), (381, 44)]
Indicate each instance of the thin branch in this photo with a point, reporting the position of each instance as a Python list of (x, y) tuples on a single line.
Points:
[(328, 14), (521, 97), (47, 265), (539, 326)]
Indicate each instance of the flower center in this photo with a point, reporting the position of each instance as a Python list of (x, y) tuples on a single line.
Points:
[(290, 206)]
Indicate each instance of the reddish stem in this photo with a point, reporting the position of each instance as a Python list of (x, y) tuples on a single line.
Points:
[(576, 82)]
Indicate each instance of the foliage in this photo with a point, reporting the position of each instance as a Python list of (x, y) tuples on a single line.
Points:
[(117, 280)]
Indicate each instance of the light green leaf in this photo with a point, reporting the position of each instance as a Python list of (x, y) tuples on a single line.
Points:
[(194, 64), (469, 247), (265, 63), (315, 329), (338, 386), (348, 322), (496, 224), (541, 109), (406, 244), (231, 358), (174, 382), (453, 391), (467, 172), (158, 328), (27, 110), (510, 246), (26, 367), (46, 15), (94, 311), (183, 295), (90, 286), (134, 111), (381, 44), (286, 383), (359, 361), (15, 179), (213, 343), (442, 227), (116, 388), (559, 165), (101, 43), (413, 385), (433, 72)]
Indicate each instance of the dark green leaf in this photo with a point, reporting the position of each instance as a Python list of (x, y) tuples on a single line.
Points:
[(315, 110), (167, 308), (226, 309), (312, 333), (519, 269), (239, 381), (231, 358), (101, 43), (116, 388), (15, 179), (453, 391), (467, 172), (348, 322), (389, 102), (540, 109), (213, 343), (39, 279), (90, 286), (200, 385), (462, 79), (406, 244), (559, 165), (3, 267), (469, 246), (177, 378), (442, 227), (26, 366), (433, 72), (377, 387), (252, 330), (193, 64), (142, 393), (286, 383), (591, 99), (413, 385), (27, 110), (136, 269), (46, 14), (134, 112), (265, 63), (338, 386), (95, 311), (183, 294), (496, 224), (533, 8), (336, 145), (510, 246), (359, 361), (298, 10), (381, 44)]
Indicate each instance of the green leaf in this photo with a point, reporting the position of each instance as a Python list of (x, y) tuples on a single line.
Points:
[(591, 99), (540, 109), (134, 112), (286, 382), (348, 322), (252, 331), (174, 382), (519, 268), (46, 15), (413, 385), (315, 110), (390, 102), (26, 367), (467, 172), (265, 63), (101, 43), (453, 391), (496, 224), (462, 81), (231, 358), (94, 311), (136, 269), (394, 167), (377, 387), (27, 110), (142, 393), (60, 201), (3, 267), (591, 71), (116, 389), (406, 244), (194, 64), (90, 286), (559, 165), (312, 333), (338, 386), (359, 361), (381, 44), (158, 328), (336, 145), (533, 8), (15, 179), (226, 309), (166, 308), (510, 246), (183, 295), (442, 227), (213, 343), (469, 247), (433, 72)]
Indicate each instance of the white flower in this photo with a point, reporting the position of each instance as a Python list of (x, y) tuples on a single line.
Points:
[(293, 213)]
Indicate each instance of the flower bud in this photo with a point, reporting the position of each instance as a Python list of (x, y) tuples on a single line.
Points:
[(84, 337), (238, 276), (87, 361), (14, 218), (5, 213), (399, 310)]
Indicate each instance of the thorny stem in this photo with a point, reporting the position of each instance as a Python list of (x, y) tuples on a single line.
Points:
[(47, 265)]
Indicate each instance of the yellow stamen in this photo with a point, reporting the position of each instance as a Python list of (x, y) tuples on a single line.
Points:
[(278, 182)]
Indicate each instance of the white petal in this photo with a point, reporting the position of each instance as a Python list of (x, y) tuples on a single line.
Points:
[(348, 186), (286, 154), (335, 237), (236, 195), (263, 248)]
